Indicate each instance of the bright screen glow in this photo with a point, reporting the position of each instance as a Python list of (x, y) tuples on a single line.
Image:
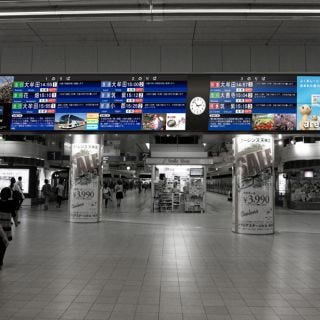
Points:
[(7, 173), (308, 174)]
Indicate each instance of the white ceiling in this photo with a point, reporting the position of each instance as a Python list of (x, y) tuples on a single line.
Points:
[(100, 31), (123, 33)]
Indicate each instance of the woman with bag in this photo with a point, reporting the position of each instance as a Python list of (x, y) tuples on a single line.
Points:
[(7, 209)]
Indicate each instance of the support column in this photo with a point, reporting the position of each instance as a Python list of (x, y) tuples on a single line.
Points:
[(253, 184), (85, 203)]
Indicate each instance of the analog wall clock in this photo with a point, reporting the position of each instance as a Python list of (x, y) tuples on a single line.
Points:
[(197, 105)]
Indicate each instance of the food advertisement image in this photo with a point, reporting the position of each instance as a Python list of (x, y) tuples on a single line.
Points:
[(263, 122), (176, 121), (154, 121), (308, 103)]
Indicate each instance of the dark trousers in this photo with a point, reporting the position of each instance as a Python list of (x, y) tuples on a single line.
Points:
[(2, 251), (20, 203), (59, 201)]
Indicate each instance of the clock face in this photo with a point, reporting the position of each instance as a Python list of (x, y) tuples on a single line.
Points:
[(197, 105)]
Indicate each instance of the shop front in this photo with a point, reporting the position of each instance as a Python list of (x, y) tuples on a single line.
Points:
[(179, 184)]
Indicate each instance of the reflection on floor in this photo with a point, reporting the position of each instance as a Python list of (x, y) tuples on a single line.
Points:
[(145, 266)]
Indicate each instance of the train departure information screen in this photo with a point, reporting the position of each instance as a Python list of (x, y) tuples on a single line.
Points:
[(245, 103), (62, 103), (163, 102)]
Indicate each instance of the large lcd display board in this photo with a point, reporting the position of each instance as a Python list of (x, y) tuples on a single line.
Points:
[(160, 103), (111, 103), (258, 103)]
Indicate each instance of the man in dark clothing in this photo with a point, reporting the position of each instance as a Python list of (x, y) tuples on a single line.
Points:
[(7, 208)]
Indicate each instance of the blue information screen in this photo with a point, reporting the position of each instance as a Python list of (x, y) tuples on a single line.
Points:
[(245, 103), (142, 103), (64, 103)]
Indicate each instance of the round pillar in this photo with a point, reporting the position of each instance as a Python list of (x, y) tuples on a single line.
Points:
[(85, 203), (253, 184)]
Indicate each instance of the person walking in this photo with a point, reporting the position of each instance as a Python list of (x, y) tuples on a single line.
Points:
[(60, 191), (15, 196), (6, 211), (119, 192), (19, 188), (106, 194), (46, 192)]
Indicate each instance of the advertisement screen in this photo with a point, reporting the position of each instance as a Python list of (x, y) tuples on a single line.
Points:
[(308, 103), (6, 83), (252, 103), (111, 103), (7, 173), (160, 103)]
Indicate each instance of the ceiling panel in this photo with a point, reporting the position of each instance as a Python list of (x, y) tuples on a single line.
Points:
[(84, 31), (161, 32), (238, 23)]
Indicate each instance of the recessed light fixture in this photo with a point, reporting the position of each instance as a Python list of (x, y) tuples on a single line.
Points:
[(154, 11)]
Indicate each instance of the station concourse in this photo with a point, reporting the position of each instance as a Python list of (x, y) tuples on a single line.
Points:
[(162, 160)]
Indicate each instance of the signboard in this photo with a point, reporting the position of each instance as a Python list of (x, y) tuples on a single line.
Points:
[(7, 173), (257, 103), (179, 161), (99, 103), (85, 182), (161, 103), (308, 104), (253, 185)]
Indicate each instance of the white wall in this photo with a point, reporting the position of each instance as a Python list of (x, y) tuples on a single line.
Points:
[(300, 151), (157, 59), (22, 149)]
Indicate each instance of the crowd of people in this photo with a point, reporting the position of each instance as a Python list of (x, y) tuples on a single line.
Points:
[(11, 200), (119, 188), (12, 197)]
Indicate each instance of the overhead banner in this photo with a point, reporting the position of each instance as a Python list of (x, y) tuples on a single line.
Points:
[(253, 185), (76, 103), (85, 180)]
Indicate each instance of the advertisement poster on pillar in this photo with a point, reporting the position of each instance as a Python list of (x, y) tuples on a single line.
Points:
[(84, 200), (253, 211)]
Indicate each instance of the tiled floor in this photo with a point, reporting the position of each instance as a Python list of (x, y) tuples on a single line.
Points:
[(138, 265)]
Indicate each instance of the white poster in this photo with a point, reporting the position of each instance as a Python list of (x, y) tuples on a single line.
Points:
[(253, 185), (85, 182), (7, 173)]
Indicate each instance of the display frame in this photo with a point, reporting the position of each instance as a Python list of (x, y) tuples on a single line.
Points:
[(33, 182), (198, 84)]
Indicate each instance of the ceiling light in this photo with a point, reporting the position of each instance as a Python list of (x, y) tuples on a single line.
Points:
[(148, 145), (204, 144), (128, 168), (157, 10), (280, 136), (280, 142)]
